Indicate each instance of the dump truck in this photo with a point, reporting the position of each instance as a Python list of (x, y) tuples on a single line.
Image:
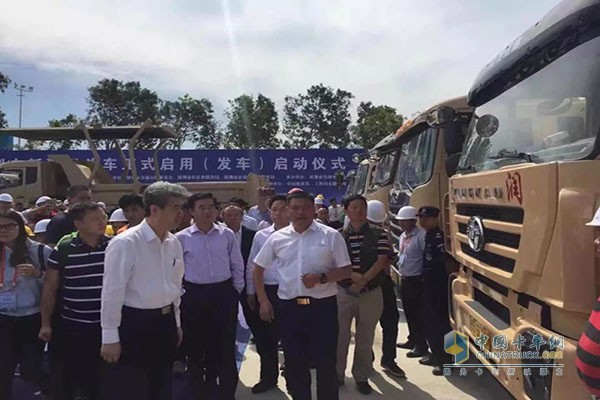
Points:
[(429, 146), (526, 184), (383, 159), (28, 180)]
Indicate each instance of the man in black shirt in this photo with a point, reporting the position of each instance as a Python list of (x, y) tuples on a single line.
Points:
[(63, 224), (435, 289)]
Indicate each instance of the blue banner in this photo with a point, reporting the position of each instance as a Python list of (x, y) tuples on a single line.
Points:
[(312, 170)]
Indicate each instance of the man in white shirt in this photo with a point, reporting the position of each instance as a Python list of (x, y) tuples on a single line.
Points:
[(335, 214), (141, 294), (266, 334), (410, 264), (309, 258)]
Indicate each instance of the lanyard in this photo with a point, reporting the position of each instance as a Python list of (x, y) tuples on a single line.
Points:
[(405, 244), (3, 268)]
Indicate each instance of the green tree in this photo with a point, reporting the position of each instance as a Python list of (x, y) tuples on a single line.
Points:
[(374, 123), (253, 123), (4, 82), (319, 118), (115, 103), (193, 120)]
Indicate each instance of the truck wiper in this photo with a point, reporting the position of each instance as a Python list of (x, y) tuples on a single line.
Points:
[(515, 155), (468, 168)]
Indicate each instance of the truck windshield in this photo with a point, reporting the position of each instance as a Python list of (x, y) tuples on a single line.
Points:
[(416, 160), (385, 169), (550, 116), (361, 178)]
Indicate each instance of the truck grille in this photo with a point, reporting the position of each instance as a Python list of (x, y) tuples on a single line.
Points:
[(501, 230), (504, 214)]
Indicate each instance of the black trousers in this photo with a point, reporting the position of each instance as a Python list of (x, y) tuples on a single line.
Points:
[(310, 333), (411, 294), (389, 321), (75, 360), (19, 344), (266, 337), (148, 345), (209, 319), (435, 305)]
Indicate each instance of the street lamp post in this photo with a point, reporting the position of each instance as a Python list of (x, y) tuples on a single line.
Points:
[(22, 89)]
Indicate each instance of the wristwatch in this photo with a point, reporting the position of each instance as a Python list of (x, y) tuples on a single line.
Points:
[(323, 279)]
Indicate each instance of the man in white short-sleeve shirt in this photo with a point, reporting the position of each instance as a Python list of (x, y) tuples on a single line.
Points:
[(310, 258)]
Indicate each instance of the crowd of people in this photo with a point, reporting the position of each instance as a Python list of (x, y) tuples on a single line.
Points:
[(125, 299)]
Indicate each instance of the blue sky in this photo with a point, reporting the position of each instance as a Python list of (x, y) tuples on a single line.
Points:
[(405, 53)]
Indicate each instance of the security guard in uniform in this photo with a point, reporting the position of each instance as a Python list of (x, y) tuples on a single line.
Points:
[(435, 289)]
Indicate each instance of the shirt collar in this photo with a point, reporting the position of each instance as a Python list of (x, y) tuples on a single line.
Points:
[(76, 241), (147, 231), (362, 229), (215, 227)]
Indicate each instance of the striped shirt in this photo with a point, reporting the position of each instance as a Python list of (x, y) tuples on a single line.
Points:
[(82, 271), (356, 239), (588, 353)]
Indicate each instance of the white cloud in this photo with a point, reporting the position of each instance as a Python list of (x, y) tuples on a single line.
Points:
[(408, 54)]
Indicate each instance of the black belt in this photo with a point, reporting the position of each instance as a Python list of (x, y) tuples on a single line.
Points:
[(410, 278), (207, 285), (150, 312), (306, 301)]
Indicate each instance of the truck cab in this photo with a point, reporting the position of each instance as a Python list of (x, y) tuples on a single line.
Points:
[(527, 182), (429, 146)]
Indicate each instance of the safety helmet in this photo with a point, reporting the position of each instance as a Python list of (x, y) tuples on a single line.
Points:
[(406, 213), (40, 226), (117, 216), (376, 211)]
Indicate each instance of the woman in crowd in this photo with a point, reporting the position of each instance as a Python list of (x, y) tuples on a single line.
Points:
[(22, 262)]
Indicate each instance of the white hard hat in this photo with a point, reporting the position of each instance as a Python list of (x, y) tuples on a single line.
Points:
[(596, 220), (40, 227), (117, 216), (407, 212), (376, 211), (6, 198), (42, 200)]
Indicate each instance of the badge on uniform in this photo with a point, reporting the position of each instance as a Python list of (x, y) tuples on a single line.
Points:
[(402, 259), (8, 300)]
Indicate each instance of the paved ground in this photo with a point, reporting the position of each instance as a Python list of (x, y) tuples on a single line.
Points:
[(420, 385)]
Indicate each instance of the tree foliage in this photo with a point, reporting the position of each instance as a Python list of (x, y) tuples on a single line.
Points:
[(374, 123), (193, 119), (319, 118), (4, 82), (253, 123), (116, 103)]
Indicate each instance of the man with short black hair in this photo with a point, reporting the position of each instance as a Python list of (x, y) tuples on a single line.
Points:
[(141, 294), (435, 289), (335, 214), (359, 297), (214, 279), (133, 209), (62, 224), (73, 282), (266, 333), (309, 259)]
